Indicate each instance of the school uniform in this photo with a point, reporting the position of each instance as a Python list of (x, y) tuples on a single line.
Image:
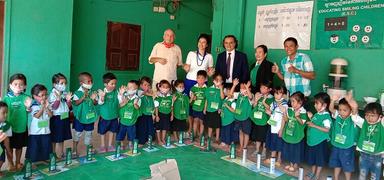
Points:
[(199, 103), (109, 112), (180, 112), (164, 105), (144, 123), (242, 113), (259, 118), (227, 131), (60, 125), (128, 115), (214, 102), (273, 141)]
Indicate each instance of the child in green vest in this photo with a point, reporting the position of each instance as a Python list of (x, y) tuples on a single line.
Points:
[(108, 107), (293, 132), (144, 124), (180, 109), (318, 135), (370, 142), (19, 104), (227, 113), (5, 128), (84, 108), (197, 99), (163, 110), (259, 117), (128, 113), (343, 139), (242, 112), (214, 97)]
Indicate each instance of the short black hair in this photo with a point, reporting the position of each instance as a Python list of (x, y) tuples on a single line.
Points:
[(145, 79), (373, 108), (267, 84), (280, 89), (263, 47), (231, 36), (56, 77), (299, 97), (108, 77), (202, 73), (18, 76), (3, 104), (292, 39), (37, 88), (323, 98), (214, 76), (344, 102), (134, 82)]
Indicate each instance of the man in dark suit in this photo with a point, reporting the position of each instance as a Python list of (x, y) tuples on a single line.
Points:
[(232, 64)]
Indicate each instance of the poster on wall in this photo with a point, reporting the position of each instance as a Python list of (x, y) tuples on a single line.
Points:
[(274, 23), (350, 24)]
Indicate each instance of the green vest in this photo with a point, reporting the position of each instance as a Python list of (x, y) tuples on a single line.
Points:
[(258, 114), (109, 110), (17, 113), (128, 113), (147, 106), (371, 139), (343, 133), (214, 100), (227, 117), (86, 111), (314, 135), (294, 131), (165, 104), (199, 103), (243, 108), (254, 74), (181, 106)]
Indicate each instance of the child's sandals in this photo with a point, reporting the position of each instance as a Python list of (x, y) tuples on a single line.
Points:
[(12, 168), (19, 166)]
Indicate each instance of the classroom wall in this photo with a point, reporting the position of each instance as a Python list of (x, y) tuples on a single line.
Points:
[(38, 39), (364, 70), (90, 33)]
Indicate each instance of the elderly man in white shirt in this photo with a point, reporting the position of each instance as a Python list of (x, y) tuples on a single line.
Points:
[(167, 57)]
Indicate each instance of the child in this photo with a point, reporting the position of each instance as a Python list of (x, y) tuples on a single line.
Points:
[(18, 103), (273, 142), (180, 109), (163, 110), (144, 124), (242, 112), (197, 101), (227, 135), (343, 138), (84, 110), (293, 132), (39, 139), (259, 117), (60, 101), (214, 97), (318, 135), (5, 127), (370, 142), (109, 107), (129, 112)]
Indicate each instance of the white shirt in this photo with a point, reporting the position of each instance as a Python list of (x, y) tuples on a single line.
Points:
[(229, 80), (194, 63), (34, 128), (63, 107), (277, 115), (75, 97), (173, 57)]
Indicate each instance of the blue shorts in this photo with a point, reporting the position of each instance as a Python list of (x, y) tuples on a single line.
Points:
[(244, 126), (60, 129), (80, 127), (293, 153), (318, 155), (228, 133), (188, 84), (344, 158), (198, 114), (274, 142), (164, 122), (126, 131), (107, 125), (370, 166), (39, 147)]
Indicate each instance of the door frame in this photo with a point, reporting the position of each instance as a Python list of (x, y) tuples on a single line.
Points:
[(6, 47)]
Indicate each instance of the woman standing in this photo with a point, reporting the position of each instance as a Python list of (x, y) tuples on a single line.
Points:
[(261, 71)]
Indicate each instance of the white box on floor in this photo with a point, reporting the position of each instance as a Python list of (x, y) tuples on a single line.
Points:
[(166, 169)]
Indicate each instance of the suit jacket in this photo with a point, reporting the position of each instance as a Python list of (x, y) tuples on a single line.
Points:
[(240, 66), (264, 74)]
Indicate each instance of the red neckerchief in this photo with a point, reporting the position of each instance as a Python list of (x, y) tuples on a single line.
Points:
[(168, 45)]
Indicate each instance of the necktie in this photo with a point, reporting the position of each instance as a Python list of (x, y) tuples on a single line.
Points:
[(229, 66)]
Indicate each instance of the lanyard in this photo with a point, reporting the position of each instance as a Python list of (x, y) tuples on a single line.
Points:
[(371, 130)]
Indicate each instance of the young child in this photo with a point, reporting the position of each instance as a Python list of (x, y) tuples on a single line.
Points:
[(109, 112), (293, 132), (318, 135), (180, 109), (163, 110), (259, 117), (60, 126), (370, 142), (39, 139), (5, 127), (198, 101), (242, 112), (19, 104), (343, 138), (227, 135), (144, 124), (84, 101), (129, 112), (214, 97), (273, 141)]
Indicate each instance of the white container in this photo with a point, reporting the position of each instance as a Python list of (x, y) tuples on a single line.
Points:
[(244, 156), (258, 161), (382, 98), (272, 166), (301, 173)]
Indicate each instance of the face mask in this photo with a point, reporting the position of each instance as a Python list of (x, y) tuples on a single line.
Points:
[(164, 90), (180, 90), (131, 92), (14, 89), (87, 86), (60, 87)]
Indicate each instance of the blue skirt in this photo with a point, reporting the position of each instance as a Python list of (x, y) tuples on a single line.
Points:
[(318, 155), (293, 153), (164, 122), (228, 134), (60, 129), (39, 147), (274, 142), (144, 128)]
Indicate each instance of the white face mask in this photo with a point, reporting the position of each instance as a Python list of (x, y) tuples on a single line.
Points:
[(60, 87), (87, 86), (131, 92), (180, 90), (164, 90), (14, 89)]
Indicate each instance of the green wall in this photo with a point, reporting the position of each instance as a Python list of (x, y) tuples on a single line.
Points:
[(38, 39), (364, 70), (90, 33)]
